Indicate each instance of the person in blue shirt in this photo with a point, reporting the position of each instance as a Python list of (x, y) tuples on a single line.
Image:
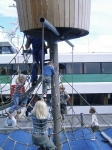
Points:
[(48, 71), (37, 55)]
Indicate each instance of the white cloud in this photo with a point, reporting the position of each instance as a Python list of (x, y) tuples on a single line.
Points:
[(1, 34), (101, 6), (101, 43), (101, 13), (7, 11)]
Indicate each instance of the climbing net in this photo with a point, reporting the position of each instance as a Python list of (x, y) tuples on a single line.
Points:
[(71, 131)]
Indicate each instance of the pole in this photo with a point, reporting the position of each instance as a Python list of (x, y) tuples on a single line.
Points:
[(42, 55), (56, 97), (70, 44), (50, 26), (82, 122), (55, 81), (72, 86)]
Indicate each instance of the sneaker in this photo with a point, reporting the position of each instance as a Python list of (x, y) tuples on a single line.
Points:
[(9, 114), (44, 96), (34, 83)]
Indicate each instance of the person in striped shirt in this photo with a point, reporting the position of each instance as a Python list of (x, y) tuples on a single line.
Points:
[(40, 116), (20, 81)]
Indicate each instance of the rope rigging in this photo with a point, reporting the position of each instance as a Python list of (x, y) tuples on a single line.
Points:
[(72, 121)]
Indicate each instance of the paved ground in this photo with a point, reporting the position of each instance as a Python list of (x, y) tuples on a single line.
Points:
[(74, 121)]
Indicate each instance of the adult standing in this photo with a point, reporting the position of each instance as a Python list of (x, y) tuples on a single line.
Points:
[(37, 55)]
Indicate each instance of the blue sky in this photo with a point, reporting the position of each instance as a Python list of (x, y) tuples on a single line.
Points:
[(99, 38)]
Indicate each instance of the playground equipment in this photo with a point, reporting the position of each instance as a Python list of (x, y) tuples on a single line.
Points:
[(62, 20), (70, 17)]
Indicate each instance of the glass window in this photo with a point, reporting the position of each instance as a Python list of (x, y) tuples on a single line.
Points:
[(75, 68), (69, 68), (13, 50), (6, 50), (62, 68), (92, 68), (0, 50), (76, 100), (109, 99), (24, 68), (95, 99), (5, 69), (107, 67)]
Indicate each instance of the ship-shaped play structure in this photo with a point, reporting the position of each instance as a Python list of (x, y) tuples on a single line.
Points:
[(56, 21)]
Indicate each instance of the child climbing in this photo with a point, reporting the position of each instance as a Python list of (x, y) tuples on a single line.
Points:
[(40, 126), (20, 81), (94, 123), (64, 97), (48, 71)]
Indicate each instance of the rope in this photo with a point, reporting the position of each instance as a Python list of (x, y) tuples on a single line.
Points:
[(42, 54), (62, 130), (85, 100), (14, 59)]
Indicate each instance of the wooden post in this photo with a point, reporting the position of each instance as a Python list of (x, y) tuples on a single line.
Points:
[(56, 97)]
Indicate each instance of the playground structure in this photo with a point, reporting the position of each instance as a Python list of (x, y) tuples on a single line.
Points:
[(70, 19)]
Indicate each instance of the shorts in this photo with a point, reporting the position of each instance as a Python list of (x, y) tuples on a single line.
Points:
[(63, 108)]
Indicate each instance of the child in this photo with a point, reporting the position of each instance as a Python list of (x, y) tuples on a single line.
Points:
[(94, 123), (10, 121), (48, 71), (64, 97), (40, 126), (20, 81)]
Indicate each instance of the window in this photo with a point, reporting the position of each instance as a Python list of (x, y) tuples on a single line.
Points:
[(95, 99), (92, 68), (0, 50), (74, 68), (24, 68), (69, 68), (5, 69), (107, 67), (6, 50), (13, 50), (62, 68), (77, 68)]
